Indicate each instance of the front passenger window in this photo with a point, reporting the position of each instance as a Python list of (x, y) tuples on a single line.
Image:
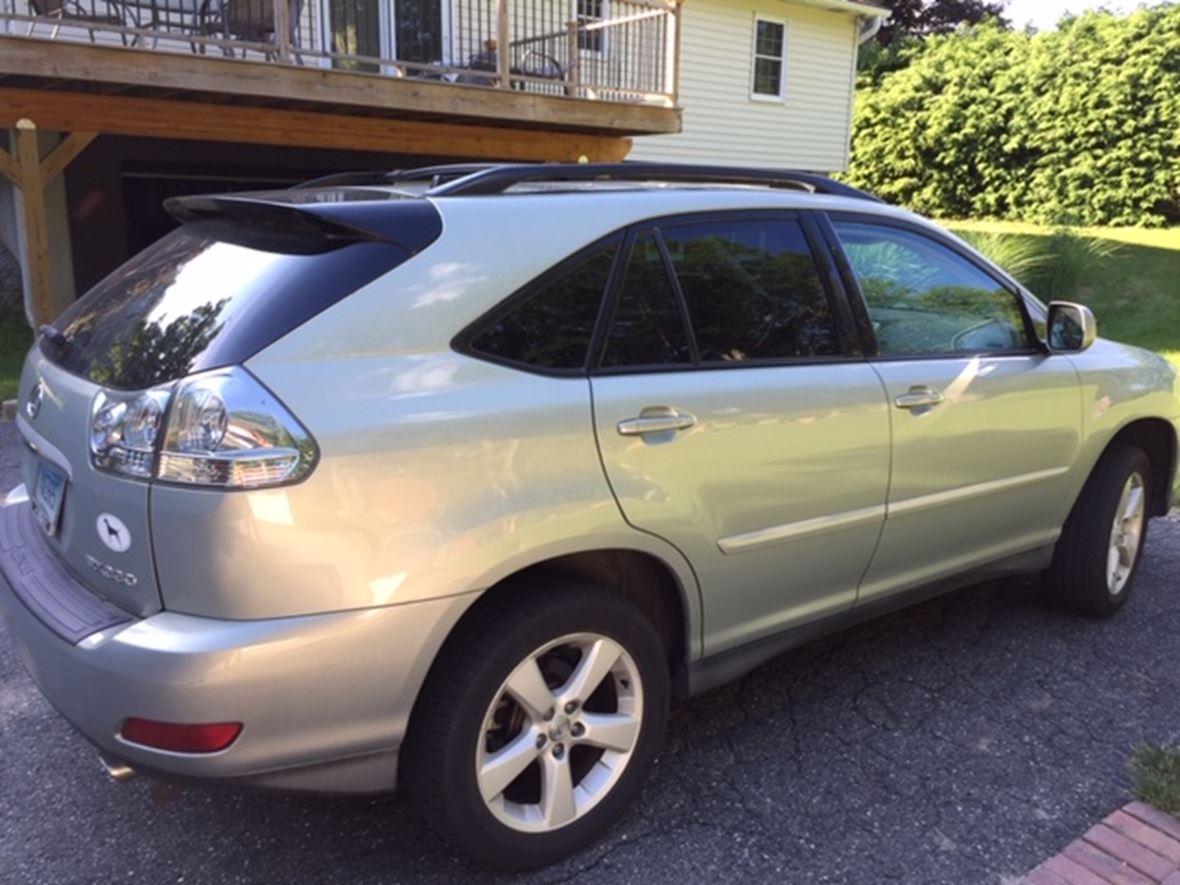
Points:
[(924, 298)]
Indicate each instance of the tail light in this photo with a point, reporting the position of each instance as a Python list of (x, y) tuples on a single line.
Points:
[(221, 429)]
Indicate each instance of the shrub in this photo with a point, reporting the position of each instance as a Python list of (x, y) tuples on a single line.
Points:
[(1077, 126), (1055, 267)]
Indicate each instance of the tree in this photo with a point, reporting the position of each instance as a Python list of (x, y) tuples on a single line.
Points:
[(924, 17), (1076, 126)]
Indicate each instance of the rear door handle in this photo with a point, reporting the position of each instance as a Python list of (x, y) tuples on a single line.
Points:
[(920, 396), (656, 419)]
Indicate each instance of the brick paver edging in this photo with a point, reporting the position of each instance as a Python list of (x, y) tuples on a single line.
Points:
[(1137, 845)]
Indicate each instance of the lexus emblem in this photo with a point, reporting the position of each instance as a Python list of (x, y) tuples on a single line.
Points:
[(33, 406)]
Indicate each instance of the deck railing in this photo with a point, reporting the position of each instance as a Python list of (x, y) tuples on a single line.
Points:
[(611, 50)]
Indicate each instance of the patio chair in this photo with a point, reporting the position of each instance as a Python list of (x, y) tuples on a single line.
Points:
[(62, 12), (534, 63), (251, 21)]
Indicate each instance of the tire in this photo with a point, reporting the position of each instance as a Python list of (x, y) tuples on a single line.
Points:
[(480, 708), (1084, 577)]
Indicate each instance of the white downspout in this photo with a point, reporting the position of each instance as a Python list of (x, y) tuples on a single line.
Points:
[(869, 26)]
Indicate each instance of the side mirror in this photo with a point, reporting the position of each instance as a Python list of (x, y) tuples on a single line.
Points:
[(1071, 327)]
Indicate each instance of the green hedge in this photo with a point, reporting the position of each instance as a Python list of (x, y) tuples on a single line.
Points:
[(1077, 126)]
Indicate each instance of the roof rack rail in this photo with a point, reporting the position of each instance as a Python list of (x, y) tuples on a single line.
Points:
[(496, 179), (432, 175)]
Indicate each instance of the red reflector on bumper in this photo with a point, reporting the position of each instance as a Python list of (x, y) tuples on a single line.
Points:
[(181, 738)]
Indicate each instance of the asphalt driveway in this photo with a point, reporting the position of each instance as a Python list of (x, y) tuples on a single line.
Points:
[(961, 741)]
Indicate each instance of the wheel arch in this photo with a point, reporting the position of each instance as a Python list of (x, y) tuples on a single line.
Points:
[(645, 579), (1157, 438)]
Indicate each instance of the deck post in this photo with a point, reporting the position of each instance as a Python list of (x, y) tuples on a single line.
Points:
[(33, 218), (31, 175), (503, 49), (571, 69), (283, 30), (677, 14)]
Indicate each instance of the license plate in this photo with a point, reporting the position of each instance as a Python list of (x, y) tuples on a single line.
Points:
[(49, 490)]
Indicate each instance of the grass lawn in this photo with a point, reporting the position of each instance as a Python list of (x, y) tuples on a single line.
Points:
[(15, 338), (1134, 293), (1155, 777)]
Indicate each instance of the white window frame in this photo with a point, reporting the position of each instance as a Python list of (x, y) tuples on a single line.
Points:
[(604, 35), (781, 97), (386, 27)]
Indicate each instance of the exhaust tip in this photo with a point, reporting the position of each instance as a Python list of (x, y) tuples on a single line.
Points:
[(120, 772)]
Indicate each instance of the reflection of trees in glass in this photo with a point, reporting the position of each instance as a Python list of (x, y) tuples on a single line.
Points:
[(748, 301), (648, 328), (154, 353), (110, 338), (920, 304), (552, 328)]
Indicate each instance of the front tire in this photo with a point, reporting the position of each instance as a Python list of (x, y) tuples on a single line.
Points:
[(1098, 554), (538, 725)]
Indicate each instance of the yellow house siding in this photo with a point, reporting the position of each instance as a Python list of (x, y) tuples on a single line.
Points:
[(808, 130)]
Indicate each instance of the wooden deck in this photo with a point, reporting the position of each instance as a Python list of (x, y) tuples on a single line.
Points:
[(113, 81), (86, 90)]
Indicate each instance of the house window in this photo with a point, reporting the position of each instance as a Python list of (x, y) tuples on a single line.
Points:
[(770, 52), (592, 12)]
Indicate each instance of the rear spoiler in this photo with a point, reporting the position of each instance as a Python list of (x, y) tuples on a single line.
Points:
[(276, 222)]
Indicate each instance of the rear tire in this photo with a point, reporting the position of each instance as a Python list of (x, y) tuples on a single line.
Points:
[(1098, 553), (516, 786)]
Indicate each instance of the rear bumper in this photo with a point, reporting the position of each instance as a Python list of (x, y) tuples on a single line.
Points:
[(324, 700)]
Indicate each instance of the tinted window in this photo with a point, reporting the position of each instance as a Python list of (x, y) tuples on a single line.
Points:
[(551, 327), (924, 298), (752, 290), (648, 327), (204, 297)]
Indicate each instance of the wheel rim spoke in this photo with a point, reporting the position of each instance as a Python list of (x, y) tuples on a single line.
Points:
[(528, 687), (1134, 503), (1122, 509), (1126, 534), (506, 765), (557, 792), (597, 660), (611, 731), (1112, 567)]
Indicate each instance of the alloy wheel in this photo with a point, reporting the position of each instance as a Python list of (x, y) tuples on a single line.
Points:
[(559, 733)]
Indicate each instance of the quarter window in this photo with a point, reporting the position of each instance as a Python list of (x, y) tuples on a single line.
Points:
[(923, 298), (770, 49), (552, 327), (752, 290)]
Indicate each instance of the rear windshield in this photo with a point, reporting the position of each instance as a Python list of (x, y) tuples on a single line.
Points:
[(207, 295)]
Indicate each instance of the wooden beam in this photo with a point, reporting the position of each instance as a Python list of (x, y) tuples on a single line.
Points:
[(36, 227), (159, 118), (337, 91), (7, 166), (64, 154)]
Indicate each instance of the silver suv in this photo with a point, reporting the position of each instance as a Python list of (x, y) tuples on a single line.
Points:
[(453, 478)]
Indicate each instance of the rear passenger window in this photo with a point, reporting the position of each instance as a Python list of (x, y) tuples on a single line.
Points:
[(551, 328), (648, 328), (752, 290)]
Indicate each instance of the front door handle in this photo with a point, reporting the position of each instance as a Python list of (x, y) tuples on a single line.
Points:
[(920, 396), (656, 419)]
